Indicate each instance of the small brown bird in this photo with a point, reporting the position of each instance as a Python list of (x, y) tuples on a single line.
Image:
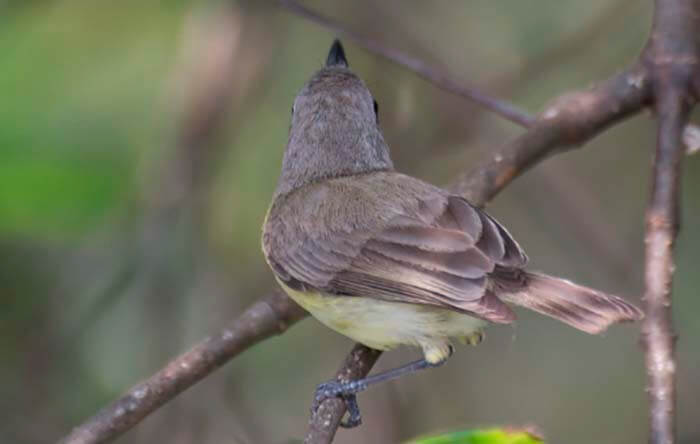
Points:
[(387, 259)]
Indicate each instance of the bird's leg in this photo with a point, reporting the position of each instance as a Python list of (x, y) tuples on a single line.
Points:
[(348, 390)]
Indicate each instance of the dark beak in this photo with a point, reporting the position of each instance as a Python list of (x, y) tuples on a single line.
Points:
[(336, 56)]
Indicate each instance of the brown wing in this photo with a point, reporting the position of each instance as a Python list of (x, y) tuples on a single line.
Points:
[(444, 264), (438, 252)]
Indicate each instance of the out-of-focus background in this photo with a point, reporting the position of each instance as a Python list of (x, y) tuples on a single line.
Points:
[(140, 143)]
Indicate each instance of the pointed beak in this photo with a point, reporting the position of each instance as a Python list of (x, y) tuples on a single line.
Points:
[(336, 55)]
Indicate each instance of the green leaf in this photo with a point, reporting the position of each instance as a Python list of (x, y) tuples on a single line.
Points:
[(485, 436)]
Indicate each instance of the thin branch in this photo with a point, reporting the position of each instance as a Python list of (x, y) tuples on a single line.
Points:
[(428, 72), (570, 120), (673, 59), (270, 316), (324, 423), (661, 229)]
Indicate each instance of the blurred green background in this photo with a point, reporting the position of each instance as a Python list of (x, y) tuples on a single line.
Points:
[(140, 145)]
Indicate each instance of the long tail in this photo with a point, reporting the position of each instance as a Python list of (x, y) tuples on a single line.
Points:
[(581, 307)]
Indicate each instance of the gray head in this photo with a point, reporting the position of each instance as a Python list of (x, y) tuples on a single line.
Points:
[(334, 130)]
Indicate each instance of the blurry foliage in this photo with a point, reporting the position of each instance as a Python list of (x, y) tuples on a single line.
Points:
[(80, 93), (486, 436), (99, 288)]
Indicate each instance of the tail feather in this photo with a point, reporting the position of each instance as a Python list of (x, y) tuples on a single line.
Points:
[(581, 307)]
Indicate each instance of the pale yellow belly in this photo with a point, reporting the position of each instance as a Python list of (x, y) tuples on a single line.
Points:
[(385, 325)]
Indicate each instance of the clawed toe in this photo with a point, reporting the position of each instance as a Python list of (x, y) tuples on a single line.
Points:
[(354, 417), (345, 391)]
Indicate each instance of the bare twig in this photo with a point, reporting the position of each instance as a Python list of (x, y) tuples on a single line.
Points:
[(428, 72), (661, 230), (269, 316), (673, 59), (570, 120)]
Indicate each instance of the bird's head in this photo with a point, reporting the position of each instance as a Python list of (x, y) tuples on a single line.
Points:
[(335, 127)]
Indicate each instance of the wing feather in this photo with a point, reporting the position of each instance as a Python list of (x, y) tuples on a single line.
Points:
[(438, 251)]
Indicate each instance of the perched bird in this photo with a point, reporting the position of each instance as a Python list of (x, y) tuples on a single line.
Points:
[(387, 259)]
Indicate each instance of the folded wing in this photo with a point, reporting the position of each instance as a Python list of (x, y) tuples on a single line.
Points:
[(439, 253)]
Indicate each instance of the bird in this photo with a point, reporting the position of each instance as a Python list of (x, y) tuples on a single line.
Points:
[(387, 259)]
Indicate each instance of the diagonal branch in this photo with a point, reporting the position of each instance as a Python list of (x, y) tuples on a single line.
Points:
[(428, 72), (567, 122), (270, 316)]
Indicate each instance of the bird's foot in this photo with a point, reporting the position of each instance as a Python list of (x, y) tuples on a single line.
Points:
[(347, 391)]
